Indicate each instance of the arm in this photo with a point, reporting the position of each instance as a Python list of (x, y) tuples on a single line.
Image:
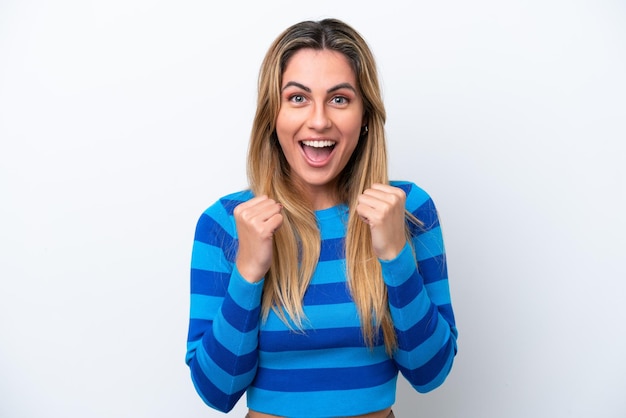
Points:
[(419, 299), (224, 315)]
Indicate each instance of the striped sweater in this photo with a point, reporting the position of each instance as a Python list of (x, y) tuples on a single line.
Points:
[(326, 369)]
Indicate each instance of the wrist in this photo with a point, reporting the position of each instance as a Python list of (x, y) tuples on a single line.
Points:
[(392, 252), (249, 274)]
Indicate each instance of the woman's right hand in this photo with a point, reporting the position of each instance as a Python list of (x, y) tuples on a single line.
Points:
[(256, 221)]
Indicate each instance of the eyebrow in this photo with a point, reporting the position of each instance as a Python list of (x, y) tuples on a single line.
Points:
[(330, 90)]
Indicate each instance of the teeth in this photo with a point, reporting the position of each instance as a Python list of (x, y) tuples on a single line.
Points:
[(319, 144)]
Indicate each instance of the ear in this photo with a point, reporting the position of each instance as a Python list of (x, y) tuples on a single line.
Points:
[(364, 127)]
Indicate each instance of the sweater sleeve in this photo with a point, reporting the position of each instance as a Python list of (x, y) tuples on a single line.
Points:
[(224, 314), (419, 299)]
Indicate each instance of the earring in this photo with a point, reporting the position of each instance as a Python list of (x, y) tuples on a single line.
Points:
[(364, 130)]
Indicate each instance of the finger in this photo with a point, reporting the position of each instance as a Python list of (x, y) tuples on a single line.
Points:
[(370, 198), (267, 208), (243, 210), (385, 192), (259, 209), (265, 224), (251, 202), (382, 187), (367, 213), (274, 222), (379, 201)]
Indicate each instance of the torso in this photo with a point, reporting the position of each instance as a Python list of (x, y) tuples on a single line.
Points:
[(298, 365)]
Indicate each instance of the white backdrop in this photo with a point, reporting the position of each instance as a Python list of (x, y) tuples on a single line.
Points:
[(122, 120)]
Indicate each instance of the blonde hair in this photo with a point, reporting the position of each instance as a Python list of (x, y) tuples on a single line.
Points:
[(297, 241)]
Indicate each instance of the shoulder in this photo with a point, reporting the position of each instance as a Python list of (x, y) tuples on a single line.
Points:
[(419, 203), (219, 214), (225, 205), (415, 195)]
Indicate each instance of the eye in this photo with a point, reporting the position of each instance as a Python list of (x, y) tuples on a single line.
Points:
[(340, 100), (297, 98)]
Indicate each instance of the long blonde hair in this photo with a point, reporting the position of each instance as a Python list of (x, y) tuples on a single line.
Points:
[(297, 241)]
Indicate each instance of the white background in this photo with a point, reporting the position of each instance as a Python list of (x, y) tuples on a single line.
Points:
[(121, 121)]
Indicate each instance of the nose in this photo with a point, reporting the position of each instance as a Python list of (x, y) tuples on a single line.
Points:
[(319, 118)]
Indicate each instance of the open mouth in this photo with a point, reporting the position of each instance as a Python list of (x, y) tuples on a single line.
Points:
[(317, 151)]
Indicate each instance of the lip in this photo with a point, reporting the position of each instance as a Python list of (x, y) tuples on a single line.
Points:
[(316, 164)]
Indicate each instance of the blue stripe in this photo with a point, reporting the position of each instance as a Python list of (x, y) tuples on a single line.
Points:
[(447, 313), (233, 364), (273, 341), (214, 214), (230, 205), (431, 345), (426, 374), (332, 249), (319, 317), (326, 358), (245, 294), (223, 380), (440, 377), (239, 318), (418, 333), (332, 222), (208, 257), (427, 213), (322, 379), (405, 318), (327, 294), (428, 245), (210, 232), (402, 295), (406, 187), (204, 307), (197, 327), (433, 268), (210, 393), (439, 292), (210, 283), (232, 339), (330, 272), (231, 202)]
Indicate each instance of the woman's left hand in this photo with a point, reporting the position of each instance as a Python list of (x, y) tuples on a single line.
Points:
[(382, 208)]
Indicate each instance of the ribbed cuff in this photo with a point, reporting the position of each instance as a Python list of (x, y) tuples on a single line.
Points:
[(245, 294)]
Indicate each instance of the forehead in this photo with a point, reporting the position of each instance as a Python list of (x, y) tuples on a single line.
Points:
[(320, 66)]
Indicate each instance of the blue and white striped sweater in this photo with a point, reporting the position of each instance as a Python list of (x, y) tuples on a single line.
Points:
[(326, 370)]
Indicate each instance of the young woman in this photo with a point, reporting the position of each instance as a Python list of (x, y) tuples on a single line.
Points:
[(312, 289)]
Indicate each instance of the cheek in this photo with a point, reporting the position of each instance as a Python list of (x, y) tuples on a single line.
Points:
[(286, 121), (352, 148), (353, 133), (285, 143)]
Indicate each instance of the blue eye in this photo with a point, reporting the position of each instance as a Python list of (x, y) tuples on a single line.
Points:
[(340, 100), (297, 98)]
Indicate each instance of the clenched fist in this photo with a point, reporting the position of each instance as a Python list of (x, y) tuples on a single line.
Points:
[(382, 208), (256, 221)]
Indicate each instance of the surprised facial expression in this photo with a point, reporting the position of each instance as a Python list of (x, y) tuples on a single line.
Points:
[(320, 118)]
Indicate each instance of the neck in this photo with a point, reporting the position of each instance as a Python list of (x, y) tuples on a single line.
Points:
[(322, 199)]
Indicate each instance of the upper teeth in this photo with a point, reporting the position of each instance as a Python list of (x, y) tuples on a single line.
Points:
[(319, 144)]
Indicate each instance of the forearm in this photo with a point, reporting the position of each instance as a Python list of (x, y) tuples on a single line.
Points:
[(426, 338), (223, 359)]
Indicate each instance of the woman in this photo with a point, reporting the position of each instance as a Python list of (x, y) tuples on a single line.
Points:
[(311, 290)]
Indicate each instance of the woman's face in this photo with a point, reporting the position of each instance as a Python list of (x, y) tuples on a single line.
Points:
[(319, 121)]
